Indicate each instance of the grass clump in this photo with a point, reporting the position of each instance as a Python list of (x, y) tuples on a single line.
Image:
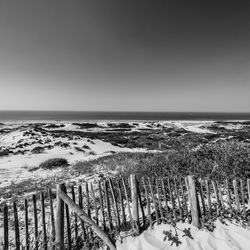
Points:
[(54, 163), (84, 167)]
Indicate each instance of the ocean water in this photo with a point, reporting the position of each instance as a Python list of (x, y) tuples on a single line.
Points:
[(83, 116)]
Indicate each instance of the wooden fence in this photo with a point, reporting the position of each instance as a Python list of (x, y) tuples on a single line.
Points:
[(98, 213)]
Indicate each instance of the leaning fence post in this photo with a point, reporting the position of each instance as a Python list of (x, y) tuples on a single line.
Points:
[(59, 219), (135, 209), (193, 199)]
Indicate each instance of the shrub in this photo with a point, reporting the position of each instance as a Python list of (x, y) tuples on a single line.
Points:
[(4, 152), (37, 150), (54, 163)]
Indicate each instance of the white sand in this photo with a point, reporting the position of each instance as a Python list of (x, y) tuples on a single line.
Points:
[(224, 237)]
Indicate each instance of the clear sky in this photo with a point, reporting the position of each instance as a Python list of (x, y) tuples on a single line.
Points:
[(125, 55)]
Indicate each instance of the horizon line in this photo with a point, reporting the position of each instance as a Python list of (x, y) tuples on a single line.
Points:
[(122, 111)]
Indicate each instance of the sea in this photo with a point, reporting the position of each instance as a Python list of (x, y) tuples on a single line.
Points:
[(134, 116)]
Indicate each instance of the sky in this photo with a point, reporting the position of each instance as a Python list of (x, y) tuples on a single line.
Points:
[(125, 55)]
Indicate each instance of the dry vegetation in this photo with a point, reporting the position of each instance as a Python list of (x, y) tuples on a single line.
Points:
[(216, 160)]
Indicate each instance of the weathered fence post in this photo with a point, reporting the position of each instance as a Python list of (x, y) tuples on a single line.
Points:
[(6, 227), (59, 226), (135, 209), (193, 199)]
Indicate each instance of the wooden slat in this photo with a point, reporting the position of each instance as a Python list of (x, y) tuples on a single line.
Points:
[(115, 203), (45, 244), (52, 217), (209, 204), (229, 199), (89, 210), (108, 205), (216, 193), (154, 201), (178, 199), (101, 205), (81, 206), (243, 198), (122, 202), (236, 194), (16, 222), (184, 200), (141, 205), (128, 203), (248, 191), (75, 216), (159, 200), (165, 195), (95, 204), (6, 227), (221, 197), (148, 203), (68, 222), (27, 238), (202, 197), (87, 199), (172, 199), (35, 222)]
